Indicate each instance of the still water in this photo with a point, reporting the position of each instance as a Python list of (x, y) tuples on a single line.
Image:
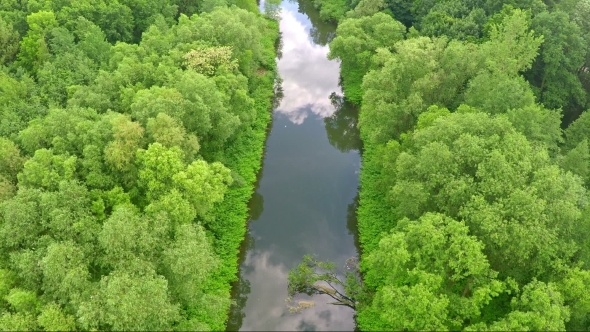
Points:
[(306, 193)]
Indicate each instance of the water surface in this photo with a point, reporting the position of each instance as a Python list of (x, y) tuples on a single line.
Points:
[(305, 199)]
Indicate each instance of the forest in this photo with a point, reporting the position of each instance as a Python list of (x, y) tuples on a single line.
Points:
[(474, 209), (131, 132)]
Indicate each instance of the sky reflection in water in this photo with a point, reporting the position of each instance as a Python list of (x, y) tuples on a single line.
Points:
[(308, 76)]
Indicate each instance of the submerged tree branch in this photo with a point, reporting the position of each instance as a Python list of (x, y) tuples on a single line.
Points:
[(315, 277)]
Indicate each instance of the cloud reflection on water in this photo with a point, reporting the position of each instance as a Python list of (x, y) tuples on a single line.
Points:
[(268, 281), (308, 76)]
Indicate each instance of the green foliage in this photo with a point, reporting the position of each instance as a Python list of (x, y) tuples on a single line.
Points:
[(11, 162), (435, 276), (126, 301), (504, 191), (332, 10), (46, 170), (52, 318), (473, 207), (562, 54), (117, 208), (33, 48), (559, 75), (358, 39), (314, 277), (8, 42), (424, 71)]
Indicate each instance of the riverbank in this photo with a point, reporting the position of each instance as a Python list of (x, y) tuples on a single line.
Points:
[(245, 159)]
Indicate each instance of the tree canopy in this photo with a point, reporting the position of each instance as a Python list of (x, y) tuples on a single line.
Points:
[(119, 123)]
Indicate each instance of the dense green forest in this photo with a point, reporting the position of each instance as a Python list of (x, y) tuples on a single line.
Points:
[(474, 205), (131, 132)]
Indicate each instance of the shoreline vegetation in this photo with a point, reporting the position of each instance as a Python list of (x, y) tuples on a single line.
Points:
[(474, 208), (131, 133), (250, 150)]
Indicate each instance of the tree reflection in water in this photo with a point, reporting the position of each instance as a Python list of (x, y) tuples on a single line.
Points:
[(241, 287), (351, 223), (321, 32), (342, 129)]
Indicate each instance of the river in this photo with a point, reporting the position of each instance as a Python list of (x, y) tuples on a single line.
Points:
[(305, 199)]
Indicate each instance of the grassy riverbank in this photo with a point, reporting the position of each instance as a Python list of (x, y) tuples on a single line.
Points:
[(246, 159)]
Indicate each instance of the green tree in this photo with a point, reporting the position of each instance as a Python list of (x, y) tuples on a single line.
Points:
[(555, 72), (46, 170), (357, 41), (67, 67), (539, 307), (128, 135), (432, 71), (420, 73), (189, 261), (431, 275), (576, 160), (66, 280), (127, 301), (18, 322), (203, 184), (52, 318), (480, 177), (128, 240), (21, 220), (167, 131), (9, 39), (11, 162), (578, 131), (157, 166), (454, 19), (33, 48)]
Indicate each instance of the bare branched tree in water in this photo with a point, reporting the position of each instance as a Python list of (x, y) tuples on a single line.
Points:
[(313, 277)]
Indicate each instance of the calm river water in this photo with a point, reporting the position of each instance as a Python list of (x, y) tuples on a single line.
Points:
[(305, 199)]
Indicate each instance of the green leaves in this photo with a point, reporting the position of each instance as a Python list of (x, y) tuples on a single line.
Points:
[(189, 262), (33, 49), (46, 170), (315, 277), (113, 211), (429, 274), (8, 42), (126, 301), (11, 161), (52, 318), (206, 60), (562, 54), (65, 276), (357, 41), (157, 167), (455, 140), (511, 47)]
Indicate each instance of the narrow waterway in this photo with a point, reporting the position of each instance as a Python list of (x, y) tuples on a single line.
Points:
[(305, 198)]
